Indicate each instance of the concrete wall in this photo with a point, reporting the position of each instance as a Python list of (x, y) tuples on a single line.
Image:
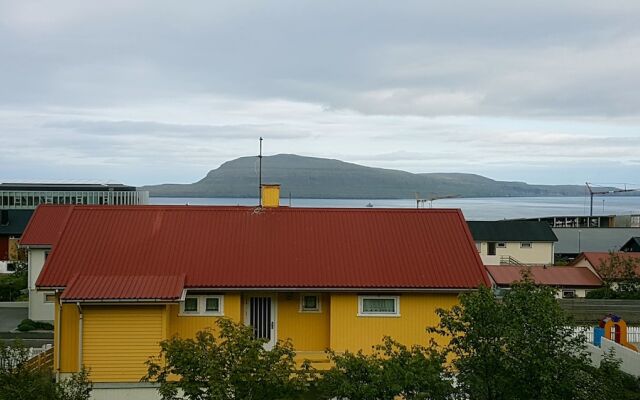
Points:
[(630, 359), (39, 308), (539, 253)]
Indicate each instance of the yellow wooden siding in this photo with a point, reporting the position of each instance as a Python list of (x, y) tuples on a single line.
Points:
[(309, 331), (69, 338), (117, 340), (188, 326), (417, 312)]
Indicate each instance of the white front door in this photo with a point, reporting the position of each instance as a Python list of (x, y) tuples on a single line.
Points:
[(260, 314)]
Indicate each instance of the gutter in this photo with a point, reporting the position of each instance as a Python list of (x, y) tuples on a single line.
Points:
[(80, 330), (58, 336)]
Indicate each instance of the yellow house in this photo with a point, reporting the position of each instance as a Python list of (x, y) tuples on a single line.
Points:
[(127, 277)]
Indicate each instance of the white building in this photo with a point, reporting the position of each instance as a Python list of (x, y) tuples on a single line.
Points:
[(514, 242)]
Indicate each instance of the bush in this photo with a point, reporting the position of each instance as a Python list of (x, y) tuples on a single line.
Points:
[(31, 325), (391, 371)]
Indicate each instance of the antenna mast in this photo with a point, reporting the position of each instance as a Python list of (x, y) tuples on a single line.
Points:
[(260, 174)]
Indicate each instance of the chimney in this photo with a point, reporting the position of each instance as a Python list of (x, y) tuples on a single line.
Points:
[(271, 195)]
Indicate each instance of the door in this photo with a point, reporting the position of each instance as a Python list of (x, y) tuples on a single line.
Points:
[(260, 314)]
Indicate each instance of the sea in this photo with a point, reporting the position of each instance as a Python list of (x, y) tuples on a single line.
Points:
[(489, 208)]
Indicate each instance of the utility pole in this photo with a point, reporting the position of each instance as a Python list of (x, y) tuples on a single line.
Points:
[(260, 174)]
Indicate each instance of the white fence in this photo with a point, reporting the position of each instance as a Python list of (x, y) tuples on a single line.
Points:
[(633, 333)]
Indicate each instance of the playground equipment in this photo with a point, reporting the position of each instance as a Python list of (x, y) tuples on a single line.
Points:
[(613, 328)]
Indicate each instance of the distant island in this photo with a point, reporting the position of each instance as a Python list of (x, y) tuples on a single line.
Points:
[(322, 178)]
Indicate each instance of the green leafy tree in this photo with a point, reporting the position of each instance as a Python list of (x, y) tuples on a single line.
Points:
[(392, 370), (19, 380), (12, 285), (520, 347), (229, 364), (620, 277)]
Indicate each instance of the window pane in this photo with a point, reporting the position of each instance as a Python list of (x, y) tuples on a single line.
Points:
[(212, 304), (379, 306), (191, 304), (310, 303)]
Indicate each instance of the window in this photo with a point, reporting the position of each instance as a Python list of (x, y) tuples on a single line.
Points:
[(202, 304), (212, 304), (4, 217), (491, 248), (479, 247), (49, 297), (191, 305), (502, 245), (310, 303), (11, 267), (525, 245), (381, 306), (568, 293)]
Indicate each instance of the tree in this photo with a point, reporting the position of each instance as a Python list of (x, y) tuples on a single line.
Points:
[(520, 347), (620, 276), (229, 364), (12, 285), (21, 381), (392, 370)]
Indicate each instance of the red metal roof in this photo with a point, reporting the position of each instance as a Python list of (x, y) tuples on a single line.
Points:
[(146, 287), (504, 275), (596, 259), (46, 225), (244, 247)]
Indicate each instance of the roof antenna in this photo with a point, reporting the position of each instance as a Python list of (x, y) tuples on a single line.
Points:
[(260, 175)]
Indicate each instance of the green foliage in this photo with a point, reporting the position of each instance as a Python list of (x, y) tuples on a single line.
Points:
[(76, 387), (520, 347), (20, 381), (30, 325), (613, 383), (231, 364), (12, 284), (391, 370), (620, 276)]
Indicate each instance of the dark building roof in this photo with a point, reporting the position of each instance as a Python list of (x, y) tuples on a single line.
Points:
[(247, 247), (13, 222), (66, 187), (511, 231), (632, 245)]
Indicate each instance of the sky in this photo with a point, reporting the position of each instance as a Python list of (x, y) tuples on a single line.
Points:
[(145, 92)]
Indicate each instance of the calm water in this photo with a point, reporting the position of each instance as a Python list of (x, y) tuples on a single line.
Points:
[(479, 208)]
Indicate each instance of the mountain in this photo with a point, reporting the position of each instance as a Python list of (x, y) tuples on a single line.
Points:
[(310, 177)]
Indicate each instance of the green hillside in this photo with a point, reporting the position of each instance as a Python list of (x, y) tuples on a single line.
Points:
[(310, 177)]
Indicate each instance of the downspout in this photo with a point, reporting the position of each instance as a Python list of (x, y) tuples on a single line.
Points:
[(58, 330), (80, 330)]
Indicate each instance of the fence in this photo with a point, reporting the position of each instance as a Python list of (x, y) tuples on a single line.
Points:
[(633, 333), (32, 358)]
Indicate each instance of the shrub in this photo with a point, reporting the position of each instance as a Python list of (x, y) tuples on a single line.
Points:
[(31, 325)]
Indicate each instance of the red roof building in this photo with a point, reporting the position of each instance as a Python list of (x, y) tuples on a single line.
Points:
[(245, 247), (595, 260), (504, 275)]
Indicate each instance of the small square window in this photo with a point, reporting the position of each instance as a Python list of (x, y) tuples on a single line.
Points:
[(191, 304), (526, 245), (310, 303), (379, 305), (568, 294), (49, 298), (501, 245), (212, 304)]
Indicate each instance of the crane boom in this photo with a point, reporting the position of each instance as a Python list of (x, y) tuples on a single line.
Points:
[(593, 193)]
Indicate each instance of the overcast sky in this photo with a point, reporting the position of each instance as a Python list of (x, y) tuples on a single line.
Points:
[(145, 92)]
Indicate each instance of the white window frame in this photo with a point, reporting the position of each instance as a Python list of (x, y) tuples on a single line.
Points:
[(202, 305), (307, 310), (501, 245), (361, 312), (572, 291), (526, 245)]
